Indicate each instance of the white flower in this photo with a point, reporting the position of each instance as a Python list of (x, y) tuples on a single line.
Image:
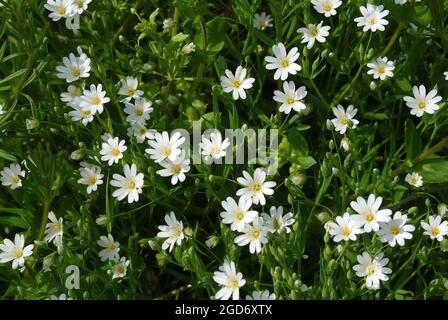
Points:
[(140, 132), (83, 113), (255, 188), (422, 102), (176, 169), (414, 179), (71, 97), (436, 229), (163, 147), (94, 98), (61, 297), (15, 251), (91, 177), (60, 9), (369, 213), (230, 280), (276, 221), (188, 48), (54, 230), (81, 5), (214, 148), (344, 228), (261, 295), (167, 24), (326, 7), (290, 98), (236, 83), (11, 176), (173, 231), (381, 68), (112, 150), (102, 220), (314, 32), (283, 62), (396, 230), (128, 186), (138, 111), (446, 75), (74, 68), (237, 215), (111, 248), (344, 118), (372, 18), (262, 21), (373, 270), (402, 2), (120, 269), (253, 234), (129, 89)]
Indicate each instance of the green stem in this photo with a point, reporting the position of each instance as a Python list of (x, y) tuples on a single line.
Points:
[(44, 220)]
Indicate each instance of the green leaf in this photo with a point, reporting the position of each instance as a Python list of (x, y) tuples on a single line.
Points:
[(305, 162), (14, 222), (180, 37), (413, 142), (298, 142), (7, 156), (433, 170)]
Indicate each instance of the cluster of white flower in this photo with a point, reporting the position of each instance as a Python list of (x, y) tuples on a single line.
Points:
[(84, 102), (66, 9), (111, 252), (393, 230)]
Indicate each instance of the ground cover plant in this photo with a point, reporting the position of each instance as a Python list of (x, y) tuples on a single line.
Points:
[(243, 149)]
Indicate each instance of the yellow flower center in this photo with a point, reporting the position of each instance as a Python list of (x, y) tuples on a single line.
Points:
[(142, 131), (314, 32), (177, 231), (422, 104), (284, 63), (91, 180), (75, 71), (131, 92), (435, 231), (371, 270), (370, 216), (344, 121), (262, 24), (372, 21), (61, 10), (86, 113), (176, 169), (17, 253), (345, 231), (233, 283), (120, 269), (236, 83), (239, 215), (256, 233), (111, 246), (56, 227), (139, 112), (131, 184), (95, 100), (256, 187), (413, 180), (216, 149), (394, 230), (115, 152), (167, 151), (328, 6), (381, 69), (16, 179), (290, 100)]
